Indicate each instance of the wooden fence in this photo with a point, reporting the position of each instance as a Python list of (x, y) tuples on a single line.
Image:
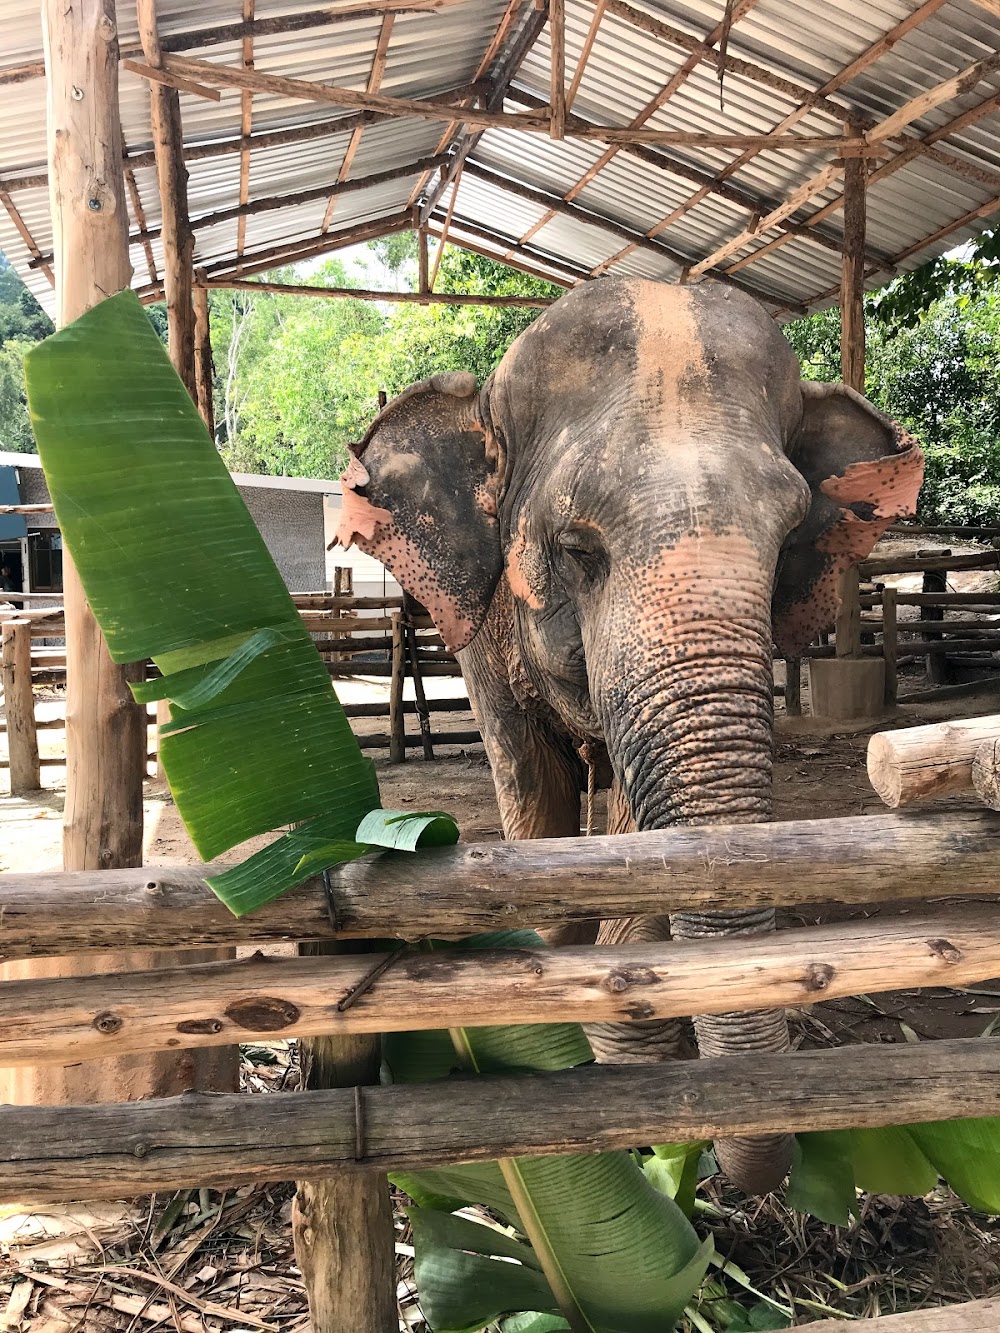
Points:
[(57, 1154)]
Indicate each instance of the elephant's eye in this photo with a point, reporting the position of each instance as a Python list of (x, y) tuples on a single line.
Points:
[(584, 554)]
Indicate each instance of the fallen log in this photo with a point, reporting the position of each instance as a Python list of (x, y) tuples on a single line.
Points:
[(458, 891), (919, 763), (115, 1150), (68, 1019)]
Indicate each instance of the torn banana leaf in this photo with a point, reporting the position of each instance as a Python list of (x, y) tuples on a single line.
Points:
[(175, 570)]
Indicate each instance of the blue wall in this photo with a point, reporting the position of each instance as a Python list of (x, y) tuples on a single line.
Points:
[(11, 525)]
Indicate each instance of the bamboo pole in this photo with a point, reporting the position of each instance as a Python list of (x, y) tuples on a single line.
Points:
[(105, 730), (918, 763), (19, 707), (449, 893), (66, 1153), (256, 998)]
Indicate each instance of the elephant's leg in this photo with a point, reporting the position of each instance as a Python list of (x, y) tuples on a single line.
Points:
[(536, 770), (643, 1041)]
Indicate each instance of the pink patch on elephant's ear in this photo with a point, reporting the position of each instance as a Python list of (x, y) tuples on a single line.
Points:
[(888, 488), (359, 518), (411, 570)]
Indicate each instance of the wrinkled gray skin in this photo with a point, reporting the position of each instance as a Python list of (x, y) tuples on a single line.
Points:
[(600, 530)]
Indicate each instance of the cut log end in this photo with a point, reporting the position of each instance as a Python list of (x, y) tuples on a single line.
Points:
[(986, 773), (884, 772)]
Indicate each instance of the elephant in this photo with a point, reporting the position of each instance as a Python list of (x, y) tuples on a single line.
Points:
[(609, 534)]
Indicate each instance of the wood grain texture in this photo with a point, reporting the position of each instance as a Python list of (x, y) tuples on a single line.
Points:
[(19, 707), (974, 1317), (917, 763), (457, 891), (257, 998), (986, 773), (112, 1151), (342, 1223)]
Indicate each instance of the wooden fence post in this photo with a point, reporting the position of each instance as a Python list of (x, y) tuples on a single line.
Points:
[(935, 580), (203, 359), (397, 717), (848, 626), (19, 707), (890, 640), (793, 686), (342, 1225)]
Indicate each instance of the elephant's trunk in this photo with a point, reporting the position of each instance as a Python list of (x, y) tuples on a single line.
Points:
[(692, 743)]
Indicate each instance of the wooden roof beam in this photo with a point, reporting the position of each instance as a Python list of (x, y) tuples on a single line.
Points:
[(916, 107), (246, 129), (310, 247), (363, 294), (375, 75), (197, 39), (917, 148), (319, 129), (813, 101)]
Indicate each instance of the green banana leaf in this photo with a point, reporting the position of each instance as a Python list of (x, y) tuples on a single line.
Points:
[(618, 1255), (831, 1166), (175, 570)]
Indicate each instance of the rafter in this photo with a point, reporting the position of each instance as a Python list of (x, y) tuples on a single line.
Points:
[(310, 247), (588, 45), (813, 101), (138, 212), (677, 80), (374, 83), (914, 149), (916, 107), (20, 226)]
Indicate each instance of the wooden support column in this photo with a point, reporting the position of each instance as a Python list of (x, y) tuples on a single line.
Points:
[(19, 708), (935, 581), (342, 1224), (203, 359), (105, 729), (793, 686), (890, 646), (397, 717), (852, 280), (176, 235), (423, 282)]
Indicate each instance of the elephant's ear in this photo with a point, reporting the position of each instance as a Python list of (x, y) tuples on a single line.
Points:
[(864, 471), (419, 494)]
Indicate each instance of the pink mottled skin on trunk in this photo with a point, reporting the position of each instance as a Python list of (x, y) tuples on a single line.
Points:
[(890, 485)]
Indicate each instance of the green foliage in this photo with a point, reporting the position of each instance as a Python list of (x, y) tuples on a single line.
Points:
[(297, 380), (830, 1166), (590, 1230), (15, 425), (21, 317), (939, 376)]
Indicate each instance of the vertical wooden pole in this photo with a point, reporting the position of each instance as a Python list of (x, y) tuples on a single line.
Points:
[(203, 359), (557, 68), (105, 729), (397, 720), (176, 236), (935, 580), (19, 707), (852, 283), (793, 686), (890, 641), (342, 1226), (848, 626), (422, 269)]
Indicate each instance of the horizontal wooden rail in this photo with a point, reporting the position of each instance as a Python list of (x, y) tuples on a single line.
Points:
[(62, 1153), (383, 740), (945, 599), (972, 1317), (215, 1004), (916, 564), (458, 891)]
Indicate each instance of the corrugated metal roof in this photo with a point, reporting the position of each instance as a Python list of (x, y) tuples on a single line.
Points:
[(709, 195)]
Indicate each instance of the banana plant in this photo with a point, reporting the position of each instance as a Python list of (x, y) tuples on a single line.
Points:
[(175, 571)]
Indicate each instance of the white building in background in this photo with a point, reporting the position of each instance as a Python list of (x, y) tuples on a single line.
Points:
[(296, 516)]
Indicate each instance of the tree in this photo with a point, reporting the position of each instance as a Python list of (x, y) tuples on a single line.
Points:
[(15, 426)]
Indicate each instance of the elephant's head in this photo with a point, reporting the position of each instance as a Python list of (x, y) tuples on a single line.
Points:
[(663, 494)]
